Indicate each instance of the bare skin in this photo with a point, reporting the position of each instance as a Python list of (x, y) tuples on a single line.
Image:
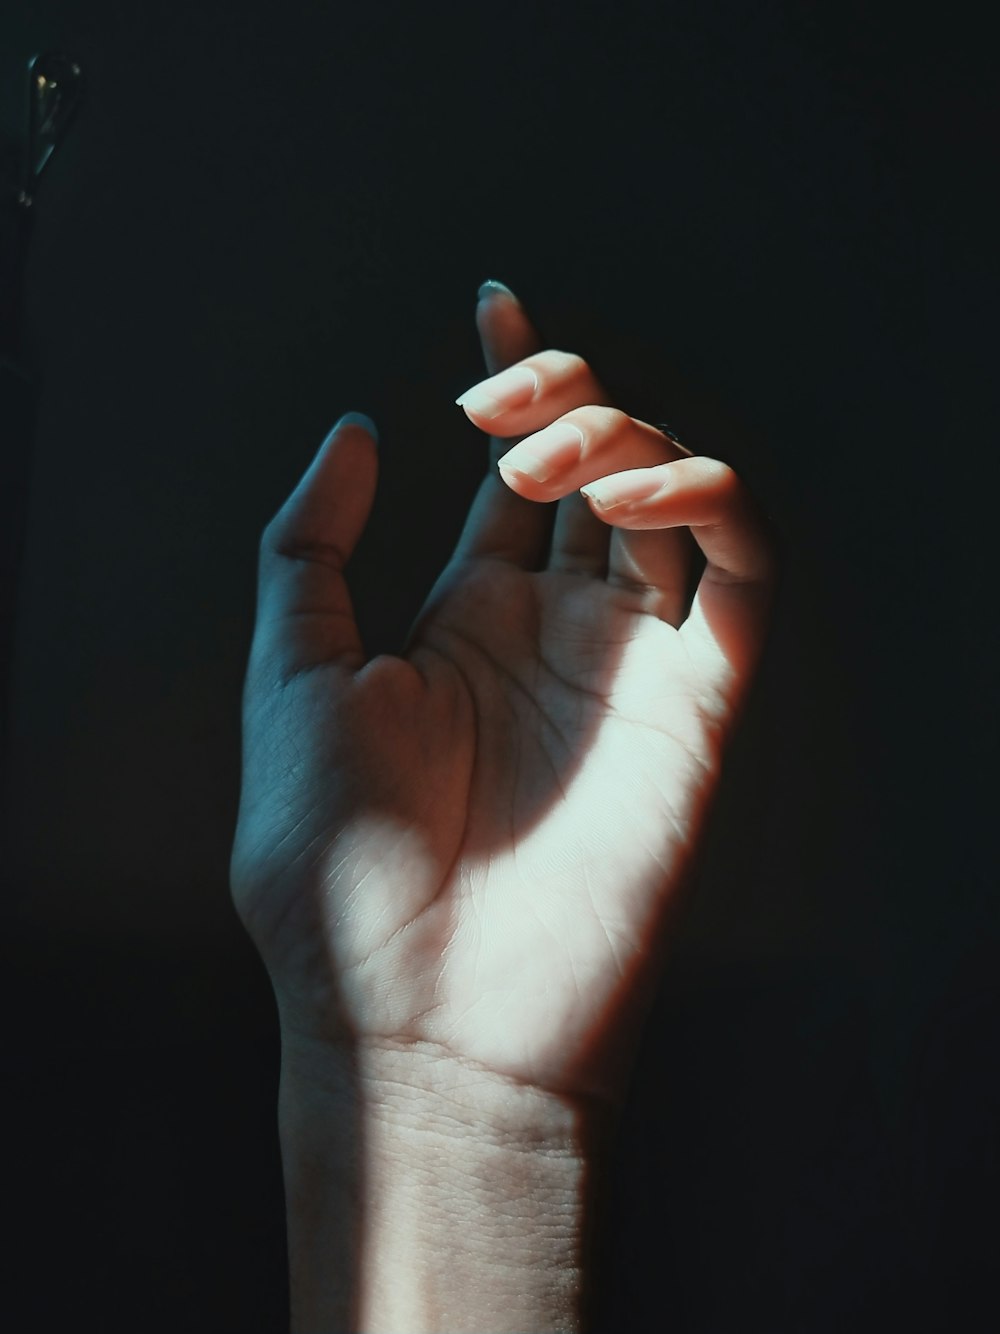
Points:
[(470, 852)]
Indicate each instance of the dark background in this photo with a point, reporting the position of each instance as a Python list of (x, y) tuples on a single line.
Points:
[(767, 224)]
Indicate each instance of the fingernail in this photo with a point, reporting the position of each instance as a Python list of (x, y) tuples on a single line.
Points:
[(357, 419), (512, 388), (549, 452), (493, 287), (625, 487)]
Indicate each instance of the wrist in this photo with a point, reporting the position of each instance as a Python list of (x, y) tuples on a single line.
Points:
[(420, 1088), (471, 1199)]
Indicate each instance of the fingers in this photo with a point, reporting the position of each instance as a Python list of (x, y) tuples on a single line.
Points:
[(581, 543), (505, 330), (305, 617), (575, 440), (533, 393), (706, 495), (731, 607), (581, 446), (501, 523)]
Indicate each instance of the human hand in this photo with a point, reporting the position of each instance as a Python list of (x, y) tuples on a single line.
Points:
[(471, 850)]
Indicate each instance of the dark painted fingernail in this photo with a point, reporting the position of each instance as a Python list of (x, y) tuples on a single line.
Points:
[(491, 287), (357, 419)]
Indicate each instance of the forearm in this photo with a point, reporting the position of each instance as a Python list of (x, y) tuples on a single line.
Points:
[(427, 1199)]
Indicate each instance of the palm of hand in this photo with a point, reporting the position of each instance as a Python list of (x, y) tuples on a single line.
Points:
[(591, 746), (528, 784)]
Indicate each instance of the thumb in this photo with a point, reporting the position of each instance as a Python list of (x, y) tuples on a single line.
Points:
[(305, 617)]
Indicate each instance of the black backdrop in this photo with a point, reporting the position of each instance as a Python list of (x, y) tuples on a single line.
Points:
[(767, 224)]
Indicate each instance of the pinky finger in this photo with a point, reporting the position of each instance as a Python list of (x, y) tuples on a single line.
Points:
[(731, 607)]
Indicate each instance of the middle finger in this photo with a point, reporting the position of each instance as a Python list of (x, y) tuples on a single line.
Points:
[(583, 446)]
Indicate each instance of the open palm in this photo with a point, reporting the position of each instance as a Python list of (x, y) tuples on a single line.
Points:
[(473, 848)]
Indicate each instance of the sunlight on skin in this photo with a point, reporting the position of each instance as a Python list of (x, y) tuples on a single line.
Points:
[(473, 848)]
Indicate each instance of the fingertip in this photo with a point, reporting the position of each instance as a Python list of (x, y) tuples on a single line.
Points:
[(599, 510), (506, 331), (528, 488), (355, 419), (514, 479), (493, 287)]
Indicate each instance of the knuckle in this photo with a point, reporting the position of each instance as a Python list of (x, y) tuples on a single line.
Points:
[(569, 365), (724, 482), (301, 548), (600, 422)]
